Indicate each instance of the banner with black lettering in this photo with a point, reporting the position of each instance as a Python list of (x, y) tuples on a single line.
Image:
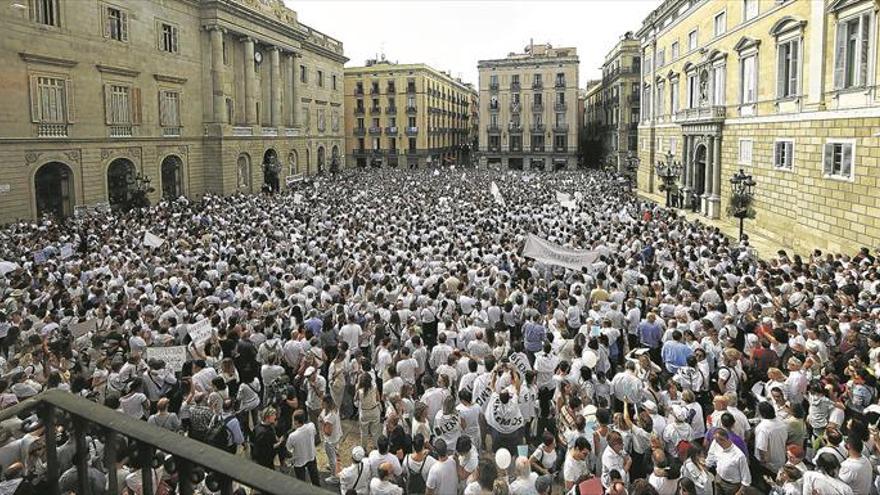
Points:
[(554, 254), (446, 424), (505, 418)]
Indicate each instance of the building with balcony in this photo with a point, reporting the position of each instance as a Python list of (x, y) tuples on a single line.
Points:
[(593, 125), (427, 113), (619, 104), (529, 109), (784, 90), (197, 96)]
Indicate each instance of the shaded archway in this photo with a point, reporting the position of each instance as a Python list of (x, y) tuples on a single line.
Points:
[(53, 190), (120, 182), (271, 170), (320, 159), (243, 173), (172, 177), (334, 159)]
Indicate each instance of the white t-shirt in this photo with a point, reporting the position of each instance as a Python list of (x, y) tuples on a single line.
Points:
[(331, 417), (443, 477), (546, 459), (505, 418), (447, 427), (301, 444), (770, 437), (573, 470), (406, 369)]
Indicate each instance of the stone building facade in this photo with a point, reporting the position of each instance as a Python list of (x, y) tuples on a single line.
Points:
[(406, 115), (196, 95), (621, 100), (528, 109), (786, 91)]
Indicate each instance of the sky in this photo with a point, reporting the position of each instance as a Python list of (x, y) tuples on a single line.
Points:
[(452, 35)]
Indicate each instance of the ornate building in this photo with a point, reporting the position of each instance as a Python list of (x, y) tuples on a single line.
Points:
[(198, 95), (528, 109), (785, 90), (406, 114)]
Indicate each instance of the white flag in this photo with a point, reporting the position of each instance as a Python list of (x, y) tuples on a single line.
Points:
[(494, 188), (152, 240)]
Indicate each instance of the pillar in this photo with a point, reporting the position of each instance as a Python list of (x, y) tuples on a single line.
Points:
[(219, 99), (707, 179), (250, 82), (288, 89), (275, 78), (686, 165), (715, 198), (297, 117)]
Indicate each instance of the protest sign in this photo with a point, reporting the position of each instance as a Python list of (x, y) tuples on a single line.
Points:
[(152, 240), (66, 251), (200, 331), (297, 198), (554, 254), (562, 197), (83, 327), (39, 257), (174, 357), (9, 487)]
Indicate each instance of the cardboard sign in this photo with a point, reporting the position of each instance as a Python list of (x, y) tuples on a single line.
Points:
[(201, 331), (174, 357), (66, 251), (84, 327), (152, 240)]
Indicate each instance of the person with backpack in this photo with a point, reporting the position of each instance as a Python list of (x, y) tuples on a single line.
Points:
[(301, 446), (225, 430), (416, 466), (355, 477)]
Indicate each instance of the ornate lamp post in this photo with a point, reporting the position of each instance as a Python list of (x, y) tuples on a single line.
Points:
[(668, 171), (632, 164), (741, 186), (139, 187)]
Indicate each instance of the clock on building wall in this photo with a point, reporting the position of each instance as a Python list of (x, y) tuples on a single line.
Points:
[(258, 57)]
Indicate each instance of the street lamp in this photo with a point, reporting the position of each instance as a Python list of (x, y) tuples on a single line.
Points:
[(741, 197), (632, 162), (668, 171)]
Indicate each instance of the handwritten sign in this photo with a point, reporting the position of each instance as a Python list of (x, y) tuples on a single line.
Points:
[(152, 240), (201, 331), (39, 257), (174, 357), (84, 327), (66, 251)]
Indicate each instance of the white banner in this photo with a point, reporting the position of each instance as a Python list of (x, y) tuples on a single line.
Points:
[(623, 215), (174, 357), (554, 254), (496, 193), (152, 240), (201, 331), (562, 197), (82, 328)]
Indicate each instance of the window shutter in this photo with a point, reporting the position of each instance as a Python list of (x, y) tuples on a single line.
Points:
[(135, 106), (105, 15), (828, 160), (35, 100), (781, 79), (864, 39), (840, 56), (789, 154), (794, 74), (777, 155), (69, 101), (173, 39), (179, 110), (846, 161), (123, 29), (162, 109), (108, 104)]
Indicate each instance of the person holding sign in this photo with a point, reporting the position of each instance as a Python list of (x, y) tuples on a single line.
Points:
[(503, 414)]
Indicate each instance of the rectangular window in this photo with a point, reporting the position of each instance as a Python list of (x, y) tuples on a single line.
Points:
[(360, 123), (750, 9), (661, 58), (718, 85), (692, 91), (539, 99), (661, 108), (839, 159), (169, 108), (783, 154), (320, 79), (560, 142), (412, 143), (852, 48), (303, 74), (333, 81), (560, 98), (167, 38), (560, 118), (560, 80), (493, 80), (411, 122), (692, 40), (748, 80), (537, 118), (675, 50), (45, 12), (361, 144), (49, 100), (787, 69), (536, 81), (115, 23), (673, 96), (745, 151), (720, 23), (120, 105)]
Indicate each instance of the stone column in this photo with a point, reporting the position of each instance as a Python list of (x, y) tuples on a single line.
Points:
[(707, 179), (275, 78), (250, 82), (288, 89), (686, 167), (219, 100), (297, 118), (715, 199)]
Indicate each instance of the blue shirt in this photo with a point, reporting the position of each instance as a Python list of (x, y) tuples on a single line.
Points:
[(534, 334), (315, 325), (675, 355), (650, 334)]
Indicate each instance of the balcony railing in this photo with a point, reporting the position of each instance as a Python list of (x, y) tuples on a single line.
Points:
[(493, 128), (171, 131), (538, 149), (559, 107), (359, 110), (375, 110), (515, 107), (410, 110), (514, 86), (374, 90), (390, 110), (537, 107), (360, 131), (375, 131), (411, 151), (514, 127), (121, 131), (391, 130), (359, 91), (537, 85), (493, 86), (633, 98), (110, 427), (559, 128), (51, 130), (537, 128), (411, 88), (391, 89), (412, 131), (392, 152), (701, 113)]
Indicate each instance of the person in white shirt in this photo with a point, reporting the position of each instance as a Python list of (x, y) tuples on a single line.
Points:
[(407, 367), (770, 437), (301, 446), (470, 415), (575, 469), (443, 476), (331, 432), (351, 332), (615, 457), (731, 465), (524, 484), (856, 470), (823, 480), (382, 485), (381, 456), (356, 476)]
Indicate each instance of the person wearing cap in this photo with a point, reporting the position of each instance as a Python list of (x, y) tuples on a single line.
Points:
[(443, 477), (355, 476)]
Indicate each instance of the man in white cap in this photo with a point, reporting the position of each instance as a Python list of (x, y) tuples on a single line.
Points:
[(356, 476)]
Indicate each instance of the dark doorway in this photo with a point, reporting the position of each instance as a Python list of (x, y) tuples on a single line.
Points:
[(172, 177), (53, 189), (120, 183)]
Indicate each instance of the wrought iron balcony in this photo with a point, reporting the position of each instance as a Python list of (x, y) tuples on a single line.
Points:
[(559, 107), (537, 107), (411, 88), (410, 110), (359, 91), (391, 110), (391, 130), (391, 89), (359, 110), (52, 130), (515, 107), (412, 131), (493, 86), (701, 114), (560, 128), (514, 86), (537, 128), (375, 131), (515, 127), (374, 90), (537, 85), (360, 131), (560, 83), (493, 128)]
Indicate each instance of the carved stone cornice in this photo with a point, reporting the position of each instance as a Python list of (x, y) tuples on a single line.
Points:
[(117, 71), (42, 59)]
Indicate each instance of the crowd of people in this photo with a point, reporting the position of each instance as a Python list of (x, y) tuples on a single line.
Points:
[(676, 362)]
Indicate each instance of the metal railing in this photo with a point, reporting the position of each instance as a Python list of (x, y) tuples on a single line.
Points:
[(51, 130), (54, 407)]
